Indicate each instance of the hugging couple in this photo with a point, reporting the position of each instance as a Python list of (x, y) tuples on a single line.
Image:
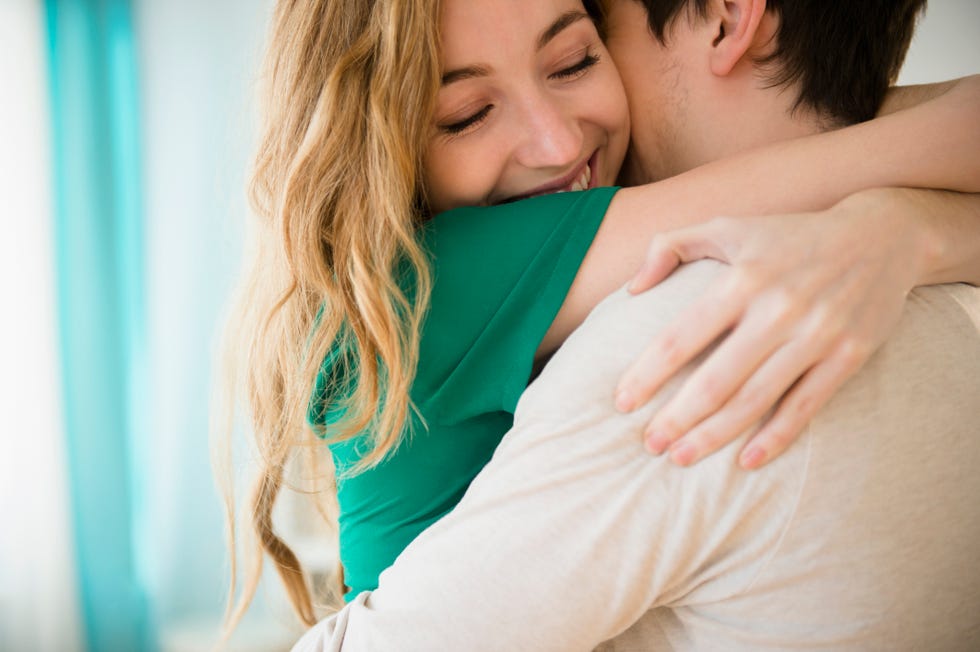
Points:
[(626, 325)]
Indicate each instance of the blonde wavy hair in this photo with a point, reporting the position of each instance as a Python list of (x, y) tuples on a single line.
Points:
[(350, 90)]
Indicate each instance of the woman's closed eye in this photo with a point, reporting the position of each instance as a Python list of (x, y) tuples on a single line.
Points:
[(577, 69), (460, 126), (568, 73)]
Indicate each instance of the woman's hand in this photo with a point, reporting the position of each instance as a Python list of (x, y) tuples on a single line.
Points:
[(807, 300)]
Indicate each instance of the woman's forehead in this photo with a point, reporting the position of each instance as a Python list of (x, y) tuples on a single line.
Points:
[(477, 30)]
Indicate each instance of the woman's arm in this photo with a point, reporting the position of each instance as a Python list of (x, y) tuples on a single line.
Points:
[(949, 222), (900, 98), (904, 148), (807, 301)]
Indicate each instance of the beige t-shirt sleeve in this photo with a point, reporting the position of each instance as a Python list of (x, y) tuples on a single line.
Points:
[(573, 531)]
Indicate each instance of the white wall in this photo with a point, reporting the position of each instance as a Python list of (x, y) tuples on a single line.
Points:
[(197, 65), (946, 43), (38, 607)]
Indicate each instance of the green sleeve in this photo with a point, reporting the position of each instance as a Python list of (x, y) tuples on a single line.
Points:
[(500, 276)]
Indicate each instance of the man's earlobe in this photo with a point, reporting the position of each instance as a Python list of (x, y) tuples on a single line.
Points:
[(737, 25)]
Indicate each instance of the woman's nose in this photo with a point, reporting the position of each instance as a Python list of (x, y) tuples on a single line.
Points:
[(551, 136)]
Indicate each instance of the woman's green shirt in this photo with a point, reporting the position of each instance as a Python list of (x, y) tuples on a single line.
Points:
[(500, 275)]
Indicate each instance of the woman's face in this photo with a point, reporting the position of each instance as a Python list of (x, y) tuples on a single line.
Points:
[(530, 103)]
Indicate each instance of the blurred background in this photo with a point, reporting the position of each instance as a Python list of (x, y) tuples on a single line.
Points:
[(126, 128)]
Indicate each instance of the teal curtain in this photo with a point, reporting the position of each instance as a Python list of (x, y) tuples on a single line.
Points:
[(91, 58)]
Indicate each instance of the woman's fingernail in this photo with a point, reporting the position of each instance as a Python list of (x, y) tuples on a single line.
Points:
[(657, 442), (635, 285), (752, 457), (682, 453), (624, 400)]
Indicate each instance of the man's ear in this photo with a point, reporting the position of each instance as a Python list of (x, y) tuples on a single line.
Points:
[(736, 24)]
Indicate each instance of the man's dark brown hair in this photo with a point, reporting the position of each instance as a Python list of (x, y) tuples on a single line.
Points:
[(844, 54)]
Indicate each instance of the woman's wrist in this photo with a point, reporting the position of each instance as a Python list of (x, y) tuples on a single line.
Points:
[(903, 213)]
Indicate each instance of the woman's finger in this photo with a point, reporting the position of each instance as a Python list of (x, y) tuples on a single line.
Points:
[(669, 250), (661, 260), (749, 404), (801, 403), (676, 345), (753, 343)]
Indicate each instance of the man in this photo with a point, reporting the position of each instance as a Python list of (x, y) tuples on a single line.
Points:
[(709, 79), (861, 536)]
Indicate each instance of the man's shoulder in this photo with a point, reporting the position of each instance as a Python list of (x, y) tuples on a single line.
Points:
[(586, 368)]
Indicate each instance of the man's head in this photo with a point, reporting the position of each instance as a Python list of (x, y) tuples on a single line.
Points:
[(707, 78)]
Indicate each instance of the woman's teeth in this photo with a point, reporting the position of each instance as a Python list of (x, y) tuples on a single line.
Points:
[(582, 183)]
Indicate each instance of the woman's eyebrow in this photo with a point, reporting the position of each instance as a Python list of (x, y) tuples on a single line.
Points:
[(563, 21), (459, 74), (553, 30)]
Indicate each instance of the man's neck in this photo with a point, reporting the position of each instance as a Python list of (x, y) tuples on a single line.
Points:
[(722, 131)]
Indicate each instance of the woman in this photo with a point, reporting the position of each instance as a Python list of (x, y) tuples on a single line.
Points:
[(358, 153)]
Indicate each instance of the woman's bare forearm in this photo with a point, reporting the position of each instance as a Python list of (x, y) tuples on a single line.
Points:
[(945, 224), (900, 98), (931, 144)]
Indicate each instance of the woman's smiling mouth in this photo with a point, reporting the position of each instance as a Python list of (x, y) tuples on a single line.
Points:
[(579, 179)]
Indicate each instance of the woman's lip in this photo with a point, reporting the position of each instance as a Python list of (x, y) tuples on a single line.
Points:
[(561, 183)]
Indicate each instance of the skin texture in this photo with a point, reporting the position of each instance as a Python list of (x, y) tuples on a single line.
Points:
[(525, 117), (691, 102)]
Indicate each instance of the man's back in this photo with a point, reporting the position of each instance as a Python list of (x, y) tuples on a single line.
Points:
[(861, 536), (880, 547)]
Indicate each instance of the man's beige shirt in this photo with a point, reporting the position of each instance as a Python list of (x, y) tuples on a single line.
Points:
[(865, 535)]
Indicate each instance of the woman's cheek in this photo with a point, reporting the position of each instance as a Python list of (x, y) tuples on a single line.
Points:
[(454, 178), (611, 113), (437, 183)]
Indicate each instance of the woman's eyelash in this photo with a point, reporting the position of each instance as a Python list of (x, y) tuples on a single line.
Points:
[(587, 62), (459, 127), (466, 123)]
